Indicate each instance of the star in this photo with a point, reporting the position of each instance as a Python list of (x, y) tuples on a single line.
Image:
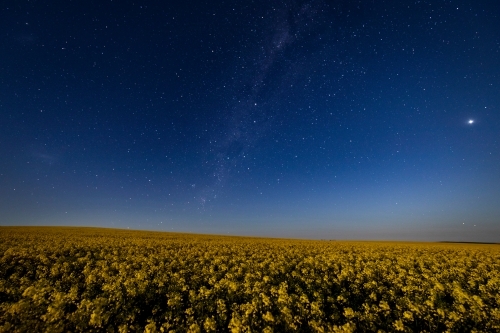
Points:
[(471, 121)]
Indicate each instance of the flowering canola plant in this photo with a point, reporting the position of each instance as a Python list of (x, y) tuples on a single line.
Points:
[(58, 279)]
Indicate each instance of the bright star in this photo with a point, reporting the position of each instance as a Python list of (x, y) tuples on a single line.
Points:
[(471, 121)]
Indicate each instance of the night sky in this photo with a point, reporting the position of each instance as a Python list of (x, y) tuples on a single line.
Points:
[(308, 119)]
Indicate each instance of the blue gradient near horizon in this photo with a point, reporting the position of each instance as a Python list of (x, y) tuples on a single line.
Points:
[(301, 119)]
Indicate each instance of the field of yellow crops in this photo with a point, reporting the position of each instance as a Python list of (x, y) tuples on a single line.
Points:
[(104, 280)]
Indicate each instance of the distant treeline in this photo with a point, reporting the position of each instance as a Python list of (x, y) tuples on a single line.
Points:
[(469, 242)]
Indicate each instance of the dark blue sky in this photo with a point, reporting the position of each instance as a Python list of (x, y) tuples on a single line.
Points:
[(313, 119)]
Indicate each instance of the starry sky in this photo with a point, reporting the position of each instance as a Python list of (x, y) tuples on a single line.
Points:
[(307, 119)]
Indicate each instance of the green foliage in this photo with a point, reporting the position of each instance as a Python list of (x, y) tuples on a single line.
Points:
[(98, 280)]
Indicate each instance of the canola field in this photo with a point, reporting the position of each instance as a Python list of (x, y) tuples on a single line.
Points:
[(58, 279)]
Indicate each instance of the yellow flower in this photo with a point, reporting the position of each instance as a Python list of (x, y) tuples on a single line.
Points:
[(384, 306), (194, 328), (349, 313), (408, 315), (210, 325), (398, 325), (268, 317)]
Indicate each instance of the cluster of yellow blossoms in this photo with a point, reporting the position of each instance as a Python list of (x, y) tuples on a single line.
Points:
[(100, 280)]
